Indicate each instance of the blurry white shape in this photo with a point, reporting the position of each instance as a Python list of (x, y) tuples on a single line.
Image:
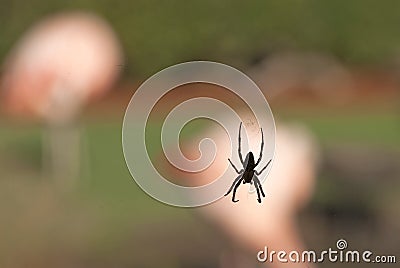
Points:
[(57, 67), (288, 189), (60, 64)]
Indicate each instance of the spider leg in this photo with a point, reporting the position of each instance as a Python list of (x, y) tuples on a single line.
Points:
[(262, 147), (234, 190), (233, 184), (237, 171), (258, 185), (262, 170), (258, 192), (239, 147)]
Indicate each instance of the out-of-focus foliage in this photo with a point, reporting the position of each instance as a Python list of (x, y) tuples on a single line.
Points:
[(156, 34)]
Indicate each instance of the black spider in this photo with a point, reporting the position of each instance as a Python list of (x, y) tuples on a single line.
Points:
[(248, 174)]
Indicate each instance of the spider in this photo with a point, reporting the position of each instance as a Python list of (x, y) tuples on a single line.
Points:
[(248, 174)]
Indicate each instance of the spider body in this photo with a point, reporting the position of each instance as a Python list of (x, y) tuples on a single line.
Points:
[(248, 171), (248, 174)]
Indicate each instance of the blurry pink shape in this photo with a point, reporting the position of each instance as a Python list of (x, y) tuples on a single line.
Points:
[(288, 188), (60, 64)]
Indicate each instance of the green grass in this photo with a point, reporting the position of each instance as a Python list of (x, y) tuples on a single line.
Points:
[(156, 34), (109, 176), (358, 128), (104, 212), (108, 205)]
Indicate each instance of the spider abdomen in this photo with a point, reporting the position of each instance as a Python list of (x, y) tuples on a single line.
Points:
[(248, 176)]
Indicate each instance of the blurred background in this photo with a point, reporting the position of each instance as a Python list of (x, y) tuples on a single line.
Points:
[(332, 67)]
